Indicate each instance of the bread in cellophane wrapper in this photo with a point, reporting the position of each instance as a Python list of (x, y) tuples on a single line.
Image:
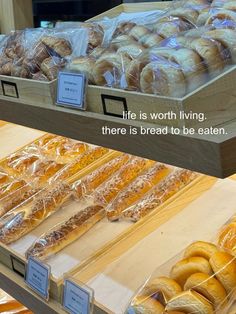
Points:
[(41, 53), (141, 185), (9, 305), (89, 183), (161, 192), (226, 237), (202, 279), (27, 216)]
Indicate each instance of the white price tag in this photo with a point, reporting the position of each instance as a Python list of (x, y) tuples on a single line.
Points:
[(71, 90), (77, 299), (38, 277)]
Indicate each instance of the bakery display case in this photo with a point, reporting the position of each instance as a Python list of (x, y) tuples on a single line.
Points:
[(144, 220)]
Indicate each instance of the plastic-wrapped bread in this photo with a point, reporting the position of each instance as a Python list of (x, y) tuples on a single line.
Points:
[(107, 191), (44, 139), (80, 163), (65, 233), (227, 237), (89, 183), (16, 198), (171, 26), (222, 19), (10, 187), (42, 170), (187, 14), (26, 217), (174, 182), (84, 65), (4, 178), (136, 190)]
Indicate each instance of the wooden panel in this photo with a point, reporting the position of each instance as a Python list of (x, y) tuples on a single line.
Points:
[(15, 14)]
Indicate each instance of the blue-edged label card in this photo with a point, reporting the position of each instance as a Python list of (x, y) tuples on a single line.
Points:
[(77, 297), (71, 90), (37, 277)]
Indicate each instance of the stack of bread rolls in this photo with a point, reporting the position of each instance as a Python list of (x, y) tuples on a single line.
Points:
[(202, 282)]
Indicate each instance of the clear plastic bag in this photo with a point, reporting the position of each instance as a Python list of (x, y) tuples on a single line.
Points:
[(201, 280), (66, 232), (136, 190), (20, 221), (92, 181), (161, 192), (226, 237)]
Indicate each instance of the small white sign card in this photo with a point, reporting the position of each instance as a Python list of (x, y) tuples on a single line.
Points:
[(71, 90), (37, 277), (77, 297)]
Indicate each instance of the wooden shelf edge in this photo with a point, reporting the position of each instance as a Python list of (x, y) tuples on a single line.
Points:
[(14, 285), (203, 154)]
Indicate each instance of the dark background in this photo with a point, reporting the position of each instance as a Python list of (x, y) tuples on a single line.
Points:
[(54, 10)]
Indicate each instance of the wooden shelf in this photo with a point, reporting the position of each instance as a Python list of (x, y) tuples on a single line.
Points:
[(212, 155)]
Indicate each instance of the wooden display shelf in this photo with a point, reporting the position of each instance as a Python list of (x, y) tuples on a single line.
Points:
[(214, 155)]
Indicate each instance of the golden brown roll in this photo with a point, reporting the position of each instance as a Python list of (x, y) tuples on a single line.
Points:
[(60, 45), (51, 66), (172, 27), (133, 72), (209, 287), (222, 16), (224, 267), (133, 51), (39, 52), (95, 33), (84, 65), (182, 270), (187, 14), (190, 302), (227, 237), (144, 305), (138, 31), (123, 28), (201, 249), (163, 78), (150, 40), (122, 40), (168, 287), (210, 52), (109, 69), (226, 37)]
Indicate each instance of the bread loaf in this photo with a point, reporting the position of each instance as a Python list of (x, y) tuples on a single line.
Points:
[(139, 187), (89, 183), (26, 217), (65, 233), (60, 45), (85, 66)]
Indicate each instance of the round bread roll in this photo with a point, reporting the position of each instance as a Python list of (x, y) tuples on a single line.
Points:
[(227, 237), (181, 271), (110, 68), (209, 287), (84, 65), (133, 72), (132, 50), (190, 302), (163, 78), (226, 37), (139, 31), (210, 53), (201, 249), (168, 287), (170, 28), (121, 41), (146, 305), (187, 14), (123, 28), (224, 267), (222, 18), (150, 40)]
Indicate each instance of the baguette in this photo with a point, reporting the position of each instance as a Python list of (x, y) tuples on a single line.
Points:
[(89, 183), (110, 189), (159, 194), (64, 234), (139, 187), (80, 163), (27, 217)]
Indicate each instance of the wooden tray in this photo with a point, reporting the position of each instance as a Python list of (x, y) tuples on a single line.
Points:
[(215, 99), (28, 91), (197, 215)]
